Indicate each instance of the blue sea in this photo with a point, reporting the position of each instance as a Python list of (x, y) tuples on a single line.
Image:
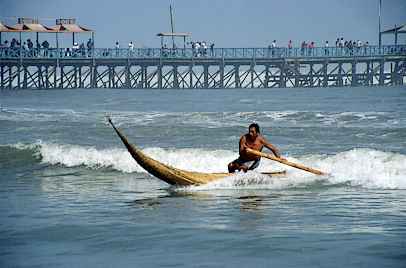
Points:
[(72, 196)]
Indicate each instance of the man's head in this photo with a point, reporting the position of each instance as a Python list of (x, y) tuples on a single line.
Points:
[(253, 130)]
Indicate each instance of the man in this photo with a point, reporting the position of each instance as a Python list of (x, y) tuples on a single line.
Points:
[(253, 140), (131, 46), (326, 51), (89, 46), (117, 49)]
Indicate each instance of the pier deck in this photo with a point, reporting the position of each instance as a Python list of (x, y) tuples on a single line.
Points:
[(203, 68)]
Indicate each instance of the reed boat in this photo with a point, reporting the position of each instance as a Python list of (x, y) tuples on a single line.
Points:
[(172, 175)]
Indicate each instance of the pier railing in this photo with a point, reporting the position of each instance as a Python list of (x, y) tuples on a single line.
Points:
[(189, 53)]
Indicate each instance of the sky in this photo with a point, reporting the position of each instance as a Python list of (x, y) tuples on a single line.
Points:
[(226, 23)]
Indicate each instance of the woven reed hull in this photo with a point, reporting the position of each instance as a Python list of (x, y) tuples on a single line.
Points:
[(171, 175)]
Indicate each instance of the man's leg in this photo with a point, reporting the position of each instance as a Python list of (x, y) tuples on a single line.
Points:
[(232, 167), (254, 165), (243, 168)]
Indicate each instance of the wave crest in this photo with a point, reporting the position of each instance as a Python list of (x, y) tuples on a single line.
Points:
[(362, 167)]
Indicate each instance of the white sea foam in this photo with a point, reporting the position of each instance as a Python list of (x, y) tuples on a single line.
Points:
[(367, 168), (358, 167)]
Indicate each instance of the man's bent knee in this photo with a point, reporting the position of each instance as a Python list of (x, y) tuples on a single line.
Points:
[(243, 168), (232, 167)]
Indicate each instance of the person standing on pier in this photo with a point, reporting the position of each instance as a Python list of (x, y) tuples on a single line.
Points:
[(273, 47), (89, 45), (45, 46), (290, 46), (197, 49), (117, 48), (75, 49), (131, 48), (204, 48)]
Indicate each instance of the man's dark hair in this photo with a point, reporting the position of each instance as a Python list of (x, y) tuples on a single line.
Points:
[(256, 126)]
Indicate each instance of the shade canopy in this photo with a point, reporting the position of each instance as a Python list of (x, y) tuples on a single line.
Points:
[(70, 28), (396, 29), (174, 34), (5, 28), (32, 25)]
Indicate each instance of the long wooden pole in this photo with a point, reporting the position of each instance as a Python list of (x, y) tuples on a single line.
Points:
[(379, 15), (173, 38), (286, 162)]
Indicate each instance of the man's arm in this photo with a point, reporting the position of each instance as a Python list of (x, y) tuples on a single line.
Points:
[(243, 145), (271, 147)]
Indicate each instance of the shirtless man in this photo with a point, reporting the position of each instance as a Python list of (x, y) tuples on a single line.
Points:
[(253, 140)]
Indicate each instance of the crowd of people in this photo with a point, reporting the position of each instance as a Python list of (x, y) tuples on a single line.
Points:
[(44, 48), (340, 43), (199, 49), (27, 46), (342, 47)]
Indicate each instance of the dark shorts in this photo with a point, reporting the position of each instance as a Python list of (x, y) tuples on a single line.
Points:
[(250, 164)]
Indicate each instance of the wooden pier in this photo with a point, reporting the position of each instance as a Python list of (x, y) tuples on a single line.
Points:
[(209, 68)]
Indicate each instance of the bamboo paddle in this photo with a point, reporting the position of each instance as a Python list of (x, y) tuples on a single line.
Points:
[(286, 162)]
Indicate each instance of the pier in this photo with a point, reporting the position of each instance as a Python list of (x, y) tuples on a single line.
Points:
[(186, 68)]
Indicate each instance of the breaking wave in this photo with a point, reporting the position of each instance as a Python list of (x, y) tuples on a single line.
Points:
[(361, 167)]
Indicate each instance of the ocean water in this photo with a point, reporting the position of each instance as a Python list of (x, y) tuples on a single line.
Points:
[(71, 196)]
